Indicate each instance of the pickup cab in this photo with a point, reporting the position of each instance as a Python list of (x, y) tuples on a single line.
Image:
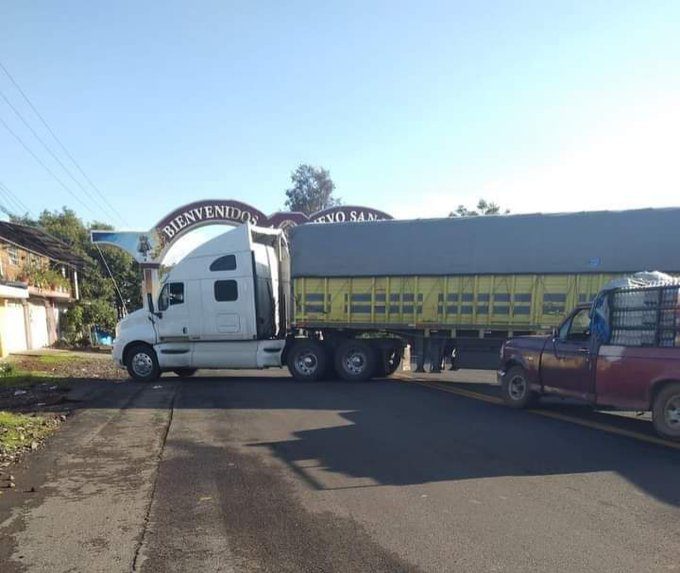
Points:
[(572, 363)]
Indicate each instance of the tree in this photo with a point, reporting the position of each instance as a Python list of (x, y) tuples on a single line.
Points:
[(100, 302), (483, 208), (312, 190)]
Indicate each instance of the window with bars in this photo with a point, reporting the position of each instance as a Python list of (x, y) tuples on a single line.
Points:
[(13, 256)]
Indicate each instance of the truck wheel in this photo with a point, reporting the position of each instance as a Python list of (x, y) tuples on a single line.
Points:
[(389, 362), (666, 412), (307, 360), (185, 372), (142, 363), (355, 360), (515, 388)]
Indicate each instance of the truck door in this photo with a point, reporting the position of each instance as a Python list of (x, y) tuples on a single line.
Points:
[(567, 360), (174, 323), (228, 337)]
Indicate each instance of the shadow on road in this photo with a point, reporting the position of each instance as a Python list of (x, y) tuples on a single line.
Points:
[(402, 434)]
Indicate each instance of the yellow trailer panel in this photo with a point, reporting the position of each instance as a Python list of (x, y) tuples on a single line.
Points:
[(464, 302)]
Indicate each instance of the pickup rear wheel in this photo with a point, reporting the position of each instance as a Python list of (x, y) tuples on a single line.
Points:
[(307, 360), (515, 388), (666, 411)]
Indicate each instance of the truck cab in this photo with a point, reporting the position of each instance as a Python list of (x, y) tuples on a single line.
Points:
[(225, 305)]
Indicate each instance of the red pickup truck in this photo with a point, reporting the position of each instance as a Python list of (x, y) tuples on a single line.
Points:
[(571, 363)]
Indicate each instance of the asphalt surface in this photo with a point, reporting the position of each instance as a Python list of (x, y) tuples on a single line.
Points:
[(253, 472)]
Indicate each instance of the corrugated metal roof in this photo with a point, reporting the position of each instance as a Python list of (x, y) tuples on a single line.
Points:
[(600, 242), (40, 242)]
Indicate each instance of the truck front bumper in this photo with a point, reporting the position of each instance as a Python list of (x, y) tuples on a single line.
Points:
[(117, 352)]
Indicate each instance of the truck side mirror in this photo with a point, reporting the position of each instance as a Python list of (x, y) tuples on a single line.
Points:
[(152, 310)]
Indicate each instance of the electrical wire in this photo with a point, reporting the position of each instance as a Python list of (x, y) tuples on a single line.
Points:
[(12, 198), (113, 280), (53, 154), (61, 145), (45, 167)]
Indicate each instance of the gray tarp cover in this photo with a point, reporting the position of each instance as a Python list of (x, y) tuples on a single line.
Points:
[(595, 242)]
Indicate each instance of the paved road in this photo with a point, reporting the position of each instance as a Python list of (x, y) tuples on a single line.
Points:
[(264, 474)]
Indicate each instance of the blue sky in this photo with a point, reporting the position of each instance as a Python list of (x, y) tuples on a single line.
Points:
[(413, 107)]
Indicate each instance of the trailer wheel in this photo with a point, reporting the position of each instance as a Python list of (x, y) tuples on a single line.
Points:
[(666, 412), (515, 388), (185, 372), (142, 363), (355, 360), (389, 361), (307, 360)]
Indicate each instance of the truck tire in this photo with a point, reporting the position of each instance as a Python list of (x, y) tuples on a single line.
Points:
[(389, 362), (307, 361), (515, 388), (185, 372), (355, 360), (142, 363), (666, 411)]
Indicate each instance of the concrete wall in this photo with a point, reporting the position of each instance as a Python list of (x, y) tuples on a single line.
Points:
[(29, 324)]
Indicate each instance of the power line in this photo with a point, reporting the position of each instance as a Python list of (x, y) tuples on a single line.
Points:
[(50, 151), (113, 280), (61, 145), (11, 203), (6, 206), (13, 198), (45, 167)]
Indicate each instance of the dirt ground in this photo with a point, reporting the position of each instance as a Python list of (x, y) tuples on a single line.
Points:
[(34, 390)]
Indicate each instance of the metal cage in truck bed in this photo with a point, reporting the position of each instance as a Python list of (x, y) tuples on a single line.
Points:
[(645, 316)]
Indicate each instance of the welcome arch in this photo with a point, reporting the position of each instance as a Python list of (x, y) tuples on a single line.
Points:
[(149, 248)]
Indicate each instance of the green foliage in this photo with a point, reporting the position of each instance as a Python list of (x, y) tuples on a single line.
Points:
[(18, 431), (73, 324), (312, 190), (100, 304), (44, 277), (483, 208), (101, 313)]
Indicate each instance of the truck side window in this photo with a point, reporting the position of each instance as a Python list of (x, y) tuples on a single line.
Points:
[(226, 291), (579, 327), (171, 294), (225, 263)]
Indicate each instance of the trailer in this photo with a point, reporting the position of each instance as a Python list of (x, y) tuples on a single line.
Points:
[(347, 298), (464, 285)]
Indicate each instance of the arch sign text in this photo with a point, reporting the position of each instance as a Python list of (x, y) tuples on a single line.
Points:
[(150, 247)]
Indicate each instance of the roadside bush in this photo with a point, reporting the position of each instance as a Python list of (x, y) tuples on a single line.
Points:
[(80, 317), (6, 369)]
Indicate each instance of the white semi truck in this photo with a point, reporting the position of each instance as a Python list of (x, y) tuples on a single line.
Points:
[(227, 305)]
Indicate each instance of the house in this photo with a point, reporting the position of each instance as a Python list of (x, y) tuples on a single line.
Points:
[(38, 282)]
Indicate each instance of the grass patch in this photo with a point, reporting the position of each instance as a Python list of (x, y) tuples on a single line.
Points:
[(57, 359), (21, 378), (11, 376), (19, 432)]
